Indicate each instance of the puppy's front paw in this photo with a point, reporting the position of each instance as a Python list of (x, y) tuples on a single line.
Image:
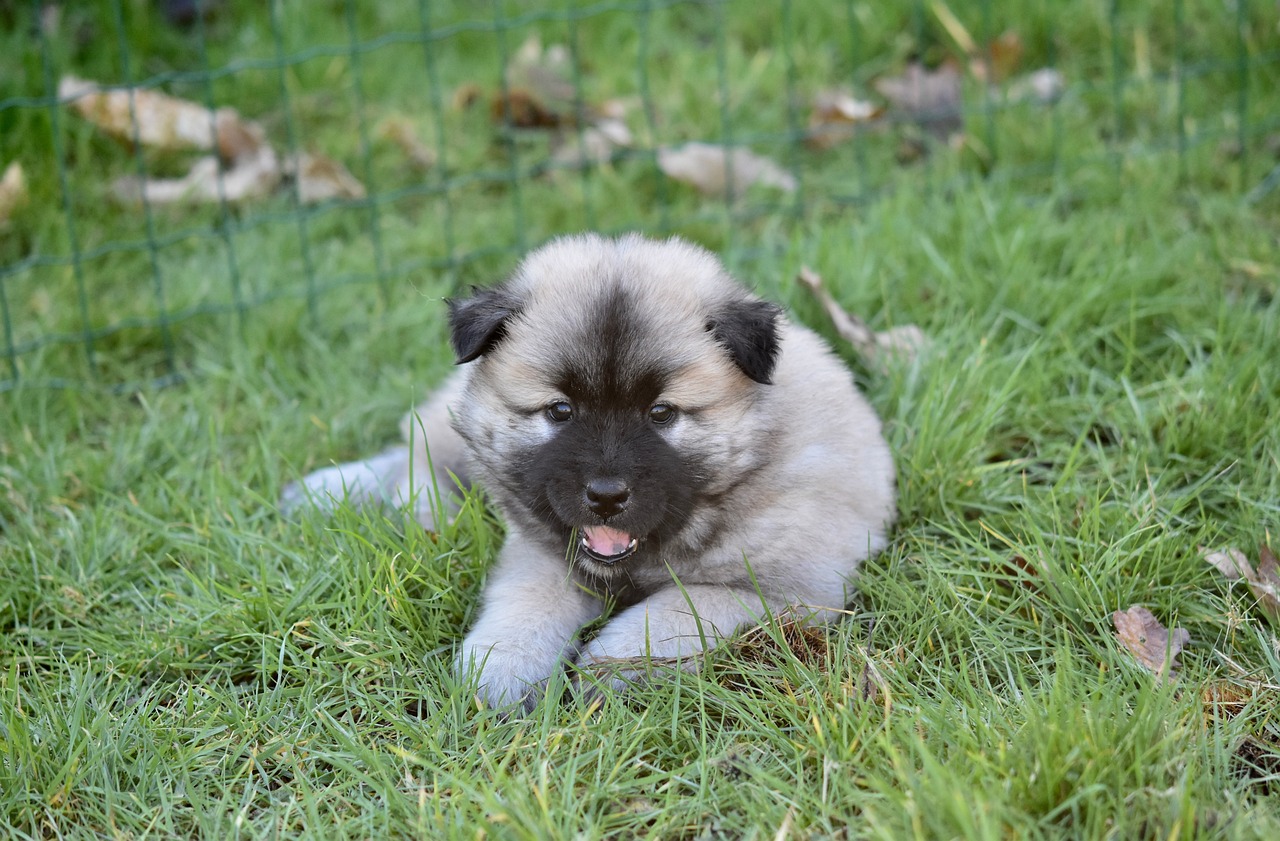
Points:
[(595, 682), (626, 654), (598, 676), (506, 677)]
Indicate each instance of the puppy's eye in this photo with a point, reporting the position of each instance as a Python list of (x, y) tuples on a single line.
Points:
[(661, 413), (560, 412)]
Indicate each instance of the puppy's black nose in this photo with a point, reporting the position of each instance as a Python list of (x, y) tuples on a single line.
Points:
[(607, 497)]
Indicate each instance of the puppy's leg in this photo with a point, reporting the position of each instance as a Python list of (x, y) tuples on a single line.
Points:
[(419, 473), (675, 622), (671, 623), (357, 482), (531, 614)]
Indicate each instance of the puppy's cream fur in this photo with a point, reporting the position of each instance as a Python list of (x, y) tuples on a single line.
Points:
[(792, 482)]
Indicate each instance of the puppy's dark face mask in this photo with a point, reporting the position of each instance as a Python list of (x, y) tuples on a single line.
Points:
[(610, 480)]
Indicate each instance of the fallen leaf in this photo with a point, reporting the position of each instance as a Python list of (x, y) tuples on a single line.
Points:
[(1004, 54), (595, 144), (1019, 572), (614, 129), (539, 91), (244, 167), (13, 192), (400, 131), (249, 176), (1154, 646), (878, 349), (929, 98), (835, 117), (719, 171), (1266, 585), (545, 71), (521, 109), (1231, 562), (998, 61), (320, 179), (1044, 86), (1264, 582), (161, 121)]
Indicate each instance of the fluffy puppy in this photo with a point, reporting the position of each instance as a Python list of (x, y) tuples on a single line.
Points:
[(662, 444)]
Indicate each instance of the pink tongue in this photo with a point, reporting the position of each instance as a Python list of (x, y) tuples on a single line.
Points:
[(606, 541)]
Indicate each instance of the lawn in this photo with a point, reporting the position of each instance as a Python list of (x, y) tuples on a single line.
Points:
[(1098, 400)]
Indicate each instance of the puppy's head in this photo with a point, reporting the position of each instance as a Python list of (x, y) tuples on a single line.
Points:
[(611, 379)]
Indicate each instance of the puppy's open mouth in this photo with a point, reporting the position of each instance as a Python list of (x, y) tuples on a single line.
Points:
[(607, 546)]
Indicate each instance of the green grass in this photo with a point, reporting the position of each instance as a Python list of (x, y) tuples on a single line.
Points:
[(1100, 398)]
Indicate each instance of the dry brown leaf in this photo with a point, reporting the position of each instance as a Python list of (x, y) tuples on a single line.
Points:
[(320, 179), (209, 180), (13, 192), (835, 117), (614, 129), (1006, 54), (522, 109), (719, 171), (244, 167), (1000, 60), (1154, 646), (1231, 562), (546, 72), (400, 131), (539, 91), (161, 121), (1019, 572), (876, 349), (929, 98), (1266, 585), (1264, 582)]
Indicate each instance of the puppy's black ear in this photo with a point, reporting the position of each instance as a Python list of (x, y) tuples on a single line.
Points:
[(749, 331), (478, 323)]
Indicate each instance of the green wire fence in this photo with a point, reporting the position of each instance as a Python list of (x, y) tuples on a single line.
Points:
[(170, 164)]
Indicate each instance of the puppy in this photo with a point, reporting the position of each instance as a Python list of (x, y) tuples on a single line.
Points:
[(663, 445)]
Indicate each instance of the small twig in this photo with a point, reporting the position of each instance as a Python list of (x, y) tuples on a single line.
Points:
[(876, 349)]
